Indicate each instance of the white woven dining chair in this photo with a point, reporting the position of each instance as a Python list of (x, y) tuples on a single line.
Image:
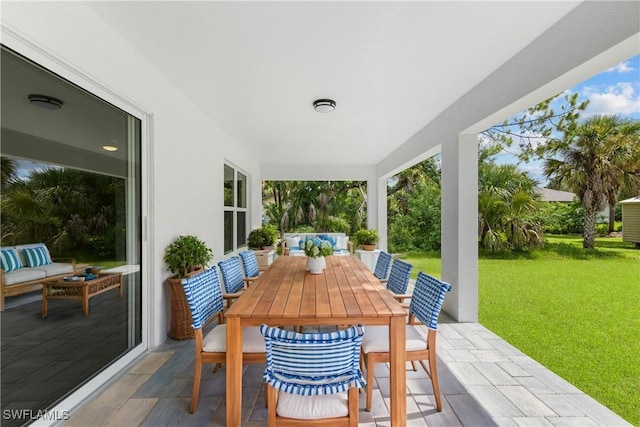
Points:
[(426, 303), (204, 298), (313, 378)]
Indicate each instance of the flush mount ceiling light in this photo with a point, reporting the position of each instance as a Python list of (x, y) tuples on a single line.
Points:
[(324, 105), (112, 146), (47, 102)]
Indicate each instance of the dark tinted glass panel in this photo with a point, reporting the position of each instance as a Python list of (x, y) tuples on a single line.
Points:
[(242, 229), (228, 186), (228, 231), (242, 191)]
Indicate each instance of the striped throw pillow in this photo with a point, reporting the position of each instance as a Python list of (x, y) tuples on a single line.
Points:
[(9, 260), (36, 256)]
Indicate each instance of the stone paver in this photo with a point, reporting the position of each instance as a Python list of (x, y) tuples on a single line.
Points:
[(484, 381)]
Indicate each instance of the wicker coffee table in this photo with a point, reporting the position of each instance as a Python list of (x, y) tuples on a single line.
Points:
[(80, 290)]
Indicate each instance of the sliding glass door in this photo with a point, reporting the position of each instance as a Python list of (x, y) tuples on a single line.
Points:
[(71, 184)]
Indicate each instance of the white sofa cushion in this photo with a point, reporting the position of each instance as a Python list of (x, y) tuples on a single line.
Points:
[(23, 275), (293, 241), (55, 268), (343, 242)]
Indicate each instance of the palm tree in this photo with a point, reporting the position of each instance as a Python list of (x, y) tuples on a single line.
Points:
[(506, 197), (595, 160), (8, 171)]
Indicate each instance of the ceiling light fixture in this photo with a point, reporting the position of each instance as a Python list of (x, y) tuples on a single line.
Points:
[(47, 102), (112, 146), (324, 105)]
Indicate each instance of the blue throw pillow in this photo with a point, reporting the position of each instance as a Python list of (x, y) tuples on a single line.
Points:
[(36, 256), (327, 238), (9, 260)]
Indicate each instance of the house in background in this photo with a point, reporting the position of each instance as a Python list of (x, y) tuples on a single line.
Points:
[(631, 220), (217, 97), (550, 195)]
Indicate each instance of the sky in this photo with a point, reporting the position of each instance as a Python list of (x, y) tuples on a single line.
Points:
[(613, 91)]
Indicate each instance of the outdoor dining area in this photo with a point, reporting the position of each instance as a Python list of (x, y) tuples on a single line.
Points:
[(331, 348)]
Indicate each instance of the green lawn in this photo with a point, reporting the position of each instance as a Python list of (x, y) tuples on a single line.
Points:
[(575, 311)]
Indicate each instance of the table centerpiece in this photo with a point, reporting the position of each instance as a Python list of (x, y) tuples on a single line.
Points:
[(316, 249)]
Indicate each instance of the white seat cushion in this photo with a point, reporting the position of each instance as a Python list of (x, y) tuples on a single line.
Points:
[(55, 268), (252, 340), (23, 275), (312, 407), (376, 339)]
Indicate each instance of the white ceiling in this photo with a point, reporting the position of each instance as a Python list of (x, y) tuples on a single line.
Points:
[(391, 67), (395, 69)]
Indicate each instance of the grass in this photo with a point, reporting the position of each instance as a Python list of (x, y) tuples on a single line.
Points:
[(575, 311)]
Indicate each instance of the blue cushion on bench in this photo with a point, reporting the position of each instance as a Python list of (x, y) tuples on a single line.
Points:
[(37, 256), (9, 260)]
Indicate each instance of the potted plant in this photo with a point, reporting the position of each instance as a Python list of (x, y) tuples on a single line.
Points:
[(263, 237), (367, 238), (185, 256)]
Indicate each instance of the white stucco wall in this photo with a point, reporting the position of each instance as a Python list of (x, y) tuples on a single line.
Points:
[(184, 180)]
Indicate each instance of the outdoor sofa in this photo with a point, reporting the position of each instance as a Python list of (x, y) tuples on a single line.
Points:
[(291, 243), (25, 267)]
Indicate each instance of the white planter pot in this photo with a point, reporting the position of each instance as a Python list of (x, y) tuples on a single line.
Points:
[(316, 265)]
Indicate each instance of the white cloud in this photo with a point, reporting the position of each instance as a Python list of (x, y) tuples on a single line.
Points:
[(621, 99), (621, 68)]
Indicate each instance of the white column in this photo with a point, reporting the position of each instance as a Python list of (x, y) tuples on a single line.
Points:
[(372, 203), (460, 226), (381, 208)]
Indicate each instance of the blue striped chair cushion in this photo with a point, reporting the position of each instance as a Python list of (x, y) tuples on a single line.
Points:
[(311, 364), (203, 296), (427, 299), (399, 277), (383, 266), (231, 275), (250, 263), (9, 260), (37, 256)]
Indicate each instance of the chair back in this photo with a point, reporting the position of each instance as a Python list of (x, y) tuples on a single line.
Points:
[(427, 299), (231, 275), (249, 263), (399, 277), (203, 296), (310, 364), (383, 266)]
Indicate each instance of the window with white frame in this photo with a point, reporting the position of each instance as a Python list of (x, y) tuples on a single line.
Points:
[(235, 209)]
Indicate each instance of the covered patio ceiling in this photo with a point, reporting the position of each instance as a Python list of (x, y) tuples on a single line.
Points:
[(393, 68)]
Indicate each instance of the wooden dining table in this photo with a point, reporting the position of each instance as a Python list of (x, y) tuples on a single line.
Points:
[(346, 293)]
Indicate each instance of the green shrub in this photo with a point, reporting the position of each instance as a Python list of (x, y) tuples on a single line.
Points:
[(560, 218), (266, 235), (421, 229), (338, 225)]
